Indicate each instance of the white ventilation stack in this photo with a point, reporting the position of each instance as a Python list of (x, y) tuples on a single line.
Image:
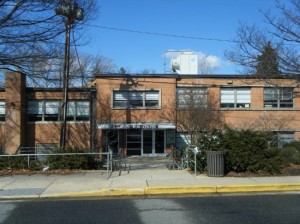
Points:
[(185, 63)]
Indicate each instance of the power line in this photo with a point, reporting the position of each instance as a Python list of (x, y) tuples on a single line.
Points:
[(162, 34)]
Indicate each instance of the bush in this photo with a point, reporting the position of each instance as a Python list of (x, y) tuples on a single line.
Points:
[(13, 163), (290, 153), (71, 161), (246, 150)]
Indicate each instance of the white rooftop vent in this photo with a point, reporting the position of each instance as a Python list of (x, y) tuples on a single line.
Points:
[(185, 63)]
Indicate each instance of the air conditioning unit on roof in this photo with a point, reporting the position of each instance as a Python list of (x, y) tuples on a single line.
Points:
[(185, 63)]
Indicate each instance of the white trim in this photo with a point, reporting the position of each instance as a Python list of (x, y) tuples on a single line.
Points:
[(136, 126)]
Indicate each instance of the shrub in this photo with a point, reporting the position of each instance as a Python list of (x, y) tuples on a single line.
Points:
[(71, 161), (13, 163), (246, 150), (290, 153)]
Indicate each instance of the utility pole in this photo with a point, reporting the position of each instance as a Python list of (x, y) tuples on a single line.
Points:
[(71, 12)]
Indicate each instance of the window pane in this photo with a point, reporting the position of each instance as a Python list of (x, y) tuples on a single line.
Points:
[(243, 96), (121, 95), (227, 96), (71, 108), (52, 107), (152, 95), (83, 108), (136, 95), (35, 107), (2, 107)]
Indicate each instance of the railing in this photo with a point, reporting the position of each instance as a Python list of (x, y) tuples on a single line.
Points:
[(184, 160), (35, 156)]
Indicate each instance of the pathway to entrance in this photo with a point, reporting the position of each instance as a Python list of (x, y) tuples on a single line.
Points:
[(146, 162)]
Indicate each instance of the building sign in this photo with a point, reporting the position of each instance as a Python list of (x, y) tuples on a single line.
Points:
[(135, 126)]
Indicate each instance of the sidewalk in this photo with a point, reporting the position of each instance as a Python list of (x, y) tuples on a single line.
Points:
[(139, 182)]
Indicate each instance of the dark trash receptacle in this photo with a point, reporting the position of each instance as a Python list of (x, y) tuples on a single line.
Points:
[(215, 163)]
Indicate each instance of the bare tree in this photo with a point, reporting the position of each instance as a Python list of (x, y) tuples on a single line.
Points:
[(282, 32), (196, 111), (32, 33)]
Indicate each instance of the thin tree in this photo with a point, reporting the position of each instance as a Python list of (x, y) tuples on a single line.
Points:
[(282, 32), (32, 33)]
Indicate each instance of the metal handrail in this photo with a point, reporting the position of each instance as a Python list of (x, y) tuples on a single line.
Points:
[(108, 155)]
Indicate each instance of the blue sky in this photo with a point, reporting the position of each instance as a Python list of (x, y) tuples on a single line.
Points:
[(212, 19)]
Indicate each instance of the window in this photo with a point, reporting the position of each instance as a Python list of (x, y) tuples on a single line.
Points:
[(235, 97), (188, 97), (284, 138), (43, 110), (136, 99), (78, 110), (2, 110), (278, 97)]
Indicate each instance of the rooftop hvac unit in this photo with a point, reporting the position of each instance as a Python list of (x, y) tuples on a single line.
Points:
[(185, 63)]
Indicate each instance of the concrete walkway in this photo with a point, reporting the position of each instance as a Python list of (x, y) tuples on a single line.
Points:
[(139, 182)]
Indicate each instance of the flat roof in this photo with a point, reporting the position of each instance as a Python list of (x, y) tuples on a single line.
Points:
[(188, 76)]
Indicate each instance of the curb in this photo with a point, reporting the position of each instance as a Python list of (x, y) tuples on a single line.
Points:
[(172, 190)]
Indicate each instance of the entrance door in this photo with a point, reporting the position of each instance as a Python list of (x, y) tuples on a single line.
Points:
[(147, 141), (159, 141), (153, 142)]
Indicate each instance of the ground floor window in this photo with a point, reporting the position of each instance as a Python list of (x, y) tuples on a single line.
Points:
[(284, 138)]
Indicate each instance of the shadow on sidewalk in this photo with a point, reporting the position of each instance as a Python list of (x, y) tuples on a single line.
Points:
[(142, 162)]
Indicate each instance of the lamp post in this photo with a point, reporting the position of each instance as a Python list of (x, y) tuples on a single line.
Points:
[(71, 12)]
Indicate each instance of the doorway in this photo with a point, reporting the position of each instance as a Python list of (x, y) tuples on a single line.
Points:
[(153, 142)]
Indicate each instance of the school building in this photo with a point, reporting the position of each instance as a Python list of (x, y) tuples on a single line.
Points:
[(140, 114)]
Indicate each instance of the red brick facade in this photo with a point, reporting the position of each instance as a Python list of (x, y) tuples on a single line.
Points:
[(140, 128)]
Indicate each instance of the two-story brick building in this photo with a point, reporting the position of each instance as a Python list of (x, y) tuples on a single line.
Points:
[(138, 114)]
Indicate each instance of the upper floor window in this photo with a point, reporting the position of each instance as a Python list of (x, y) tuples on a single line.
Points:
[(136, 99), (191, 97), (278, 98), (235, 97), (43, 110), (2, 110), (78, 110)]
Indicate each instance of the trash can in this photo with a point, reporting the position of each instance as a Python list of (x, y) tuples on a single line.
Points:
[(215, 163)]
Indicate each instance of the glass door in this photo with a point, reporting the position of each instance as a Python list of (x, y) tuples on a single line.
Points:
[(159, 141), (147, 142)]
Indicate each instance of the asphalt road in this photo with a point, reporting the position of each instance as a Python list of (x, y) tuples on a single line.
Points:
[(176, 210)]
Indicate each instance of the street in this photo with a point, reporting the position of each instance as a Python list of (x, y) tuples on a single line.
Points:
[(281, 208)]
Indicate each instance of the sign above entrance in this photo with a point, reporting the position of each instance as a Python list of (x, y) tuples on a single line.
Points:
[(137, 126), (134, 126)]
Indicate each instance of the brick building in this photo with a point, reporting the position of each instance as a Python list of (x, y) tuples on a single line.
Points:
[(139, 114)]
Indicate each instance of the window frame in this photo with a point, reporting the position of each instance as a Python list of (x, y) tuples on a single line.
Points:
[(276, 99), (75, 116), (42, 115), (184, 94), (234, 99), (136, 99)]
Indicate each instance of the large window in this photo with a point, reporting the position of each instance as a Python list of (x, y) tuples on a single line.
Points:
[(2, 110), (235, 97), (136, 99), (78, 110), (191, 97), (43, 110), (278, 97)]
